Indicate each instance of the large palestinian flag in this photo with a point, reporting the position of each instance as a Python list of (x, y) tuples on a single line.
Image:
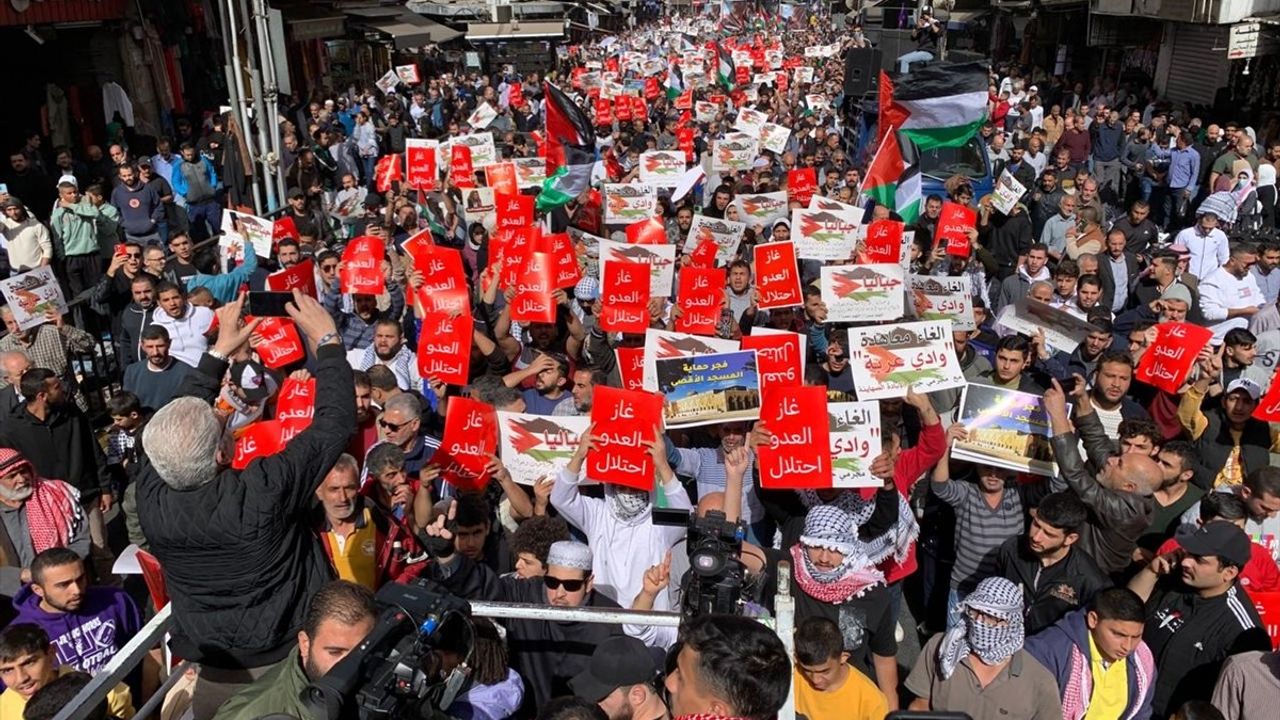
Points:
[(571, 151), (941, 105), (890, 182)]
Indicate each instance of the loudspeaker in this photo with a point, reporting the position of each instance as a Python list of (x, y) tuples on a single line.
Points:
[(861, 71)]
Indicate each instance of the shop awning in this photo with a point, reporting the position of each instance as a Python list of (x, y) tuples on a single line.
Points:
[(526, 30), (404, 28), (311, 23)]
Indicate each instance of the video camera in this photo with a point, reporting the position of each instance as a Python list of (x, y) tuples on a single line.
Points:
[(396, 671), (714, 581)]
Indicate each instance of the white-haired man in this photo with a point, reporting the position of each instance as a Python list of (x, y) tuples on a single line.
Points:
[(238, 557)]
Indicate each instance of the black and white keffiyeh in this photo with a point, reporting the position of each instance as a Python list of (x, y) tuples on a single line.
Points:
[(994, 596), (896, 543)]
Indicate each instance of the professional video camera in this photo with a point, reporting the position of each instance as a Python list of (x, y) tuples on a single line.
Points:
[(398, 670), (714, 581)]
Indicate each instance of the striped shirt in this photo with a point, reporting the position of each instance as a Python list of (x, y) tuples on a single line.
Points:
[(706, 466), (980, 529)]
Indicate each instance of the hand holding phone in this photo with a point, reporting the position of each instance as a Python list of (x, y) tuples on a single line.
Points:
[(269, 304)]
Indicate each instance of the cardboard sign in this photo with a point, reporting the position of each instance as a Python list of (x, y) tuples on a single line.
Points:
[(362, 266), (862, 293), (647, 232), (278, 342), (513, 211), (301, 276), (726, 234), (470, 437), (502, 178), (802, 184), (1168, 361), (777, 276), (780, 356), (624, 297), (750, 121), (701, 300), (824, 234), (444, 279), (624, 421), (799, 455), (444, 347), (538, 446), (953, 226), (883, 244), (257, 440), (462, 173), (1007, 192), (420, 158), (855, 442), (887, 359), (631, 367), (661, 168), (774, 137), (532, 302)]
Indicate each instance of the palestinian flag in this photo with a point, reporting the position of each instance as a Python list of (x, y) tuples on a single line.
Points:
[(571, 145), (891, 183), (906, 196), (725, 72), (944, 105)]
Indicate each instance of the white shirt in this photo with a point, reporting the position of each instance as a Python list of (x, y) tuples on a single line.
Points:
[(1220, 292), (1208, 252)]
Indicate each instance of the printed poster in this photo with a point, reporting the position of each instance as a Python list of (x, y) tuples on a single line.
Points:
[(661, 260), (701, 300), (862, 293), (1007, 192), (301, 276), (482, 116), (1007, 429), (535, 446), (32, 294), (708, 389), (802, 75), (408, 74), (387, 83), (420, 159), (943, 298), (855, 442), (726, 234), (661, 168), (737, 151), (530, 172), (245, 229), (470, 437), (760, 211), (480, 205), (824, 234), (481, 145), (629, 203), (704, 112), (887, 359), (661, 344), (1062, 330), (774, 137), (750, 121), (444, 347)]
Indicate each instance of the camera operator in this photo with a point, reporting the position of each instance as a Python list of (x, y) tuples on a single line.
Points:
[(728, 667), (239, 560), (340, 616), (546, 653), (926, 35)]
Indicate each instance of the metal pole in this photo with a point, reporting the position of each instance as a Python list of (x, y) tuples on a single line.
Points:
[(522, 611), (272, 149), (241, 106), (784, 611), (117, 667)]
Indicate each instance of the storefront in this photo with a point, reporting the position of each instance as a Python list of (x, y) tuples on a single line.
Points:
[(528, 45)]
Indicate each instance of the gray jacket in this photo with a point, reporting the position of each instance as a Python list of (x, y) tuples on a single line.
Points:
[(1116, 519)]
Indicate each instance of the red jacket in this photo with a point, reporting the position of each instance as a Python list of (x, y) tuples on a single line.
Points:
[(911, 465)]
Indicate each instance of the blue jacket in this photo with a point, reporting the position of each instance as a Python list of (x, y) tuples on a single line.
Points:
[(179, 182), (226, 286), (1063, 648)]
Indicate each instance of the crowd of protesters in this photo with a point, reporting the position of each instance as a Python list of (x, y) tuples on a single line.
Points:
[(1121, 587)]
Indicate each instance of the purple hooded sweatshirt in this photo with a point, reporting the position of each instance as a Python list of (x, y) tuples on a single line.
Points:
[(89, 637)]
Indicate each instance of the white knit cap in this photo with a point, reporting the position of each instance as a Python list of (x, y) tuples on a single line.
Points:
[(569, 554)]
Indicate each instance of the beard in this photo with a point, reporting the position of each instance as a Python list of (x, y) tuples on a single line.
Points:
[(16, 495), (67, 607)]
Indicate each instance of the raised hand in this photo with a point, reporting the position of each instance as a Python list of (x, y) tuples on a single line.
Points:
[(231, 334)]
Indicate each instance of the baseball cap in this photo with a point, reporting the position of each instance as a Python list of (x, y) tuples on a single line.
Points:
[(1220, 539), (1247, 385), (616, 662), (254, 380), (295, 192)]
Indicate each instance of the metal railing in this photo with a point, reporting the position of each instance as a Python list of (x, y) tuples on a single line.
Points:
[(151, 634)]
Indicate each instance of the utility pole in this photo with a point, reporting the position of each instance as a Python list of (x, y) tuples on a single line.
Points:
[(249, 64)]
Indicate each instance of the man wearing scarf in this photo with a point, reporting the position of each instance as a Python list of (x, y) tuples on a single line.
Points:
[(35, 514), (979, 667)]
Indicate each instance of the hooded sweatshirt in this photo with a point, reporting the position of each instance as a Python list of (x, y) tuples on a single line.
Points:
[(140, 208), (88, 638)]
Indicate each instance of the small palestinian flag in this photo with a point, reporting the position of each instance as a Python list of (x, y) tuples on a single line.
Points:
[(572, 142), (725, 72), (890, 182)]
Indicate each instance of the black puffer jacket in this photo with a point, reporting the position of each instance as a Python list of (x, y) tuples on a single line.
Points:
[(239, 559)]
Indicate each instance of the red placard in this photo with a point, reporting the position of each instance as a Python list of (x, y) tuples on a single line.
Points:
[(301, 276), (884, 243), (422, 171), (1268, 408), (386, 171), (279, 343), (1268, 607), (461, 172), (532, 302), (257, 440), (470, 437), (622, 108), (684, 140), (284, 228), (779, 358), (777, 276), (362, 266), (799, 456), (515, 95), (296, 404), (742, 75), (651, 88), (631, 367), (513, 211), (647, 232), (802, 184), (701, 299), (624, 297), (783, 81), (444, 347), (684, 101), (519, 243), (1167, 362), (502, 178), (604, 112), (953, 226), (639, 108), (624, 421), (444, 280), (564, 260)]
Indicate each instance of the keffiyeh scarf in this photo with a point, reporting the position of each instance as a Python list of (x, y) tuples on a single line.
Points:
[(998, 598), (896, 543)]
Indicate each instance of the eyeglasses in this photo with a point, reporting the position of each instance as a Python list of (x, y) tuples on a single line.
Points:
[(392, 427), (554, 583), (133, 256)]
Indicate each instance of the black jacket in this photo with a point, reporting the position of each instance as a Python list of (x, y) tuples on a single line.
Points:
[(61, 447), (1109, 280), (1049, 593), (239, 558)]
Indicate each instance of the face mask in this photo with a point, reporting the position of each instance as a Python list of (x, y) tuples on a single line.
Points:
[(627, 504), (993, 644)]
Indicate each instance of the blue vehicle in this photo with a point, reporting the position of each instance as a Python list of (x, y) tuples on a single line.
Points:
[(969, 160)]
